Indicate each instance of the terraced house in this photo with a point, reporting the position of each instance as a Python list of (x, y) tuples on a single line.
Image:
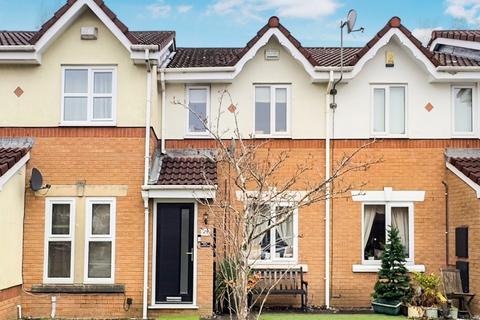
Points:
[(115, 229)]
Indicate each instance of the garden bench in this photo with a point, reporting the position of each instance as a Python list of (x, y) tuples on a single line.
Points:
[(287, 281), (452, 286)]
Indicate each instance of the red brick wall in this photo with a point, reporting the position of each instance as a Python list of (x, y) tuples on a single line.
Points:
[(9, 299), (464, 210)]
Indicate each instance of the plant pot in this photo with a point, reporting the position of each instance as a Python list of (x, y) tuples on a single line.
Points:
[(391, 308), (431, 313), (415, 312), (454, 313)]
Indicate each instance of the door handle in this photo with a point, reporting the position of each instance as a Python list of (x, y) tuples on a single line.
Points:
[(189, 253)]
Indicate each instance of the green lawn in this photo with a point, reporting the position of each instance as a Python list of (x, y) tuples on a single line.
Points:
[(301, 316)]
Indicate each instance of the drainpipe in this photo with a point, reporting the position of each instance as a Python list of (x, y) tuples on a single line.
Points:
[(162, 110), (328, 188), (445, 184), (148, 108)]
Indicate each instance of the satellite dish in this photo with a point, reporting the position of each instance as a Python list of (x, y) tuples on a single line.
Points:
[(36, 180), (351, 19)]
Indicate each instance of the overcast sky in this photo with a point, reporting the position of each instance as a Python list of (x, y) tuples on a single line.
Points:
[(231, 23)]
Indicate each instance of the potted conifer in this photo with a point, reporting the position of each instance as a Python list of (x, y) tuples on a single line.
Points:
[(393, 285)]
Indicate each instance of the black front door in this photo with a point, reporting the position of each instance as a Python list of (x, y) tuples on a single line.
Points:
[(174, 264)]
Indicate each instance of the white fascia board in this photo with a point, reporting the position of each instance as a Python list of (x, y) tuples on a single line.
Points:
[(69, 17), (138, 53), (9, 57), (180, 193), (456, 43), (13, 170), (388, 195), (464, 178)]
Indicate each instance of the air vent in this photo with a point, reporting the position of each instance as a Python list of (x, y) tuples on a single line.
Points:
[(272, 54), (89, 33)]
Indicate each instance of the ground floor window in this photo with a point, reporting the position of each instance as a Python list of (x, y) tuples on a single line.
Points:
[(278, 243), (377, 219)]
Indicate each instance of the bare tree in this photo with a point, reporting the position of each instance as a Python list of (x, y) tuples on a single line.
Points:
[(260, 189)]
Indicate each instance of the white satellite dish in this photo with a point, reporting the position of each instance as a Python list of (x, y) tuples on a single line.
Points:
[(351, 19)]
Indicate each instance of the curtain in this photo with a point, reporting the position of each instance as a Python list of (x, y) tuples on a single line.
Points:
[(261, 245), (285, 237), (400, 221), (463, 110), (102, 82), (102, 108), (76, 81), (369, 217), (75, 109), (397, 110), (262, 110), (379, 110)]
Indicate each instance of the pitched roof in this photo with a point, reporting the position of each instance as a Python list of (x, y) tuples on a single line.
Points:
[(12, 150), (466, 35), (204, 57), (330, 57), (445, 59), (469, 166), (187, 169), (13, 38)]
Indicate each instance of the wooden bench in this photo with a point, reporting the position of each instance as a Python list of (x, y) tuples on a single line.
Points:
[(452, 286), (288, 281)]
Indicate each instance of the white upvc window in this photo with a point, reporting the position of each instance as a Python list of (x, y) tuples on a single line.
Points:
[(272, 110), (198, 102), (377, 219), (389, 110), (100, 240), (89, 96), (280, 243), (463, 102), (59, 240)]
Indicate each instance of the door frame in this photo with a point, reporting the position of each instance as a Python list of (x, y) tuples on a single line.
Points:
[(192, 305)]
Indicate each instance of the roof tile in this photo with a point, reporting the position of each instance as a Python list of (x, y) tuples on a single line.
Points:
[(187, 170), (469, 166), (9, 157)]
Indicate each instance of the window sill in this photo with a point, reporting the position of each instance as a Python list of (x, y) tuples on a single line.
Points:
[(87, 124), (374, 268), (198, 136), (173, 306), (279, 265), (78, 288)]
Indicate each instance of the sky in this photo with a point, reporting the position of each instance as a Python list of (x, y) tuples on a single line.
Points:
[(232, 23)]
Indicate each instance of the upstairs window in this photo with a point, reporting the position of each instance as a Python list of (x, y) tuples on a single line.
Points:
[(272, 110), (389, 110), (88, 96), (463, 110), (198, 109)]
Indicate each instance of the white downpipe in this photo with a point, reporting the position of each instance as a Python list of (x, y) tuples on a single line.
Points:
[(148, 108), (328, 188), (163, 110)]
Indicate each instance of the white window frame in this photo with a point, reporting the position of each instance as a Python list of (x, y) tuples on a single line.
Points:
[(273, 133), (388, 222), (460, 134), (207, 112), (90, 95), (280, 261), (49, 237), (89, 237), (386, 133)]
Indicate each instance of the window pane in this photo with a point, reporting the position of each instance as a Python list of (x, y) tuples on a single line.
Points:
[(400, 221), (463, 109), (59, 253), (281, 110), (60, 218), (284, 234), (102, 82), (261, 245), (102, 108), (99, 259), (76, 81), (379, 110), (101, 218), (75, 109), (373, 231), (197, 115), (397, 110), (262, 110)]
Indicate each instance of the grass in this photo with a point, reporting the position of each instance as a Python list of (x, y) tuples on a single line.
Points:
[(301, 316)]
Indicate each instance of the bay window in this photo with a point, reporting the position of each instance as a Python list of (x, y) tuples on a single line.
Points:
[(278, 243), (272, 110), (88, 96), (59, 240), (377, 219), (463, 112), (389, 110)]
